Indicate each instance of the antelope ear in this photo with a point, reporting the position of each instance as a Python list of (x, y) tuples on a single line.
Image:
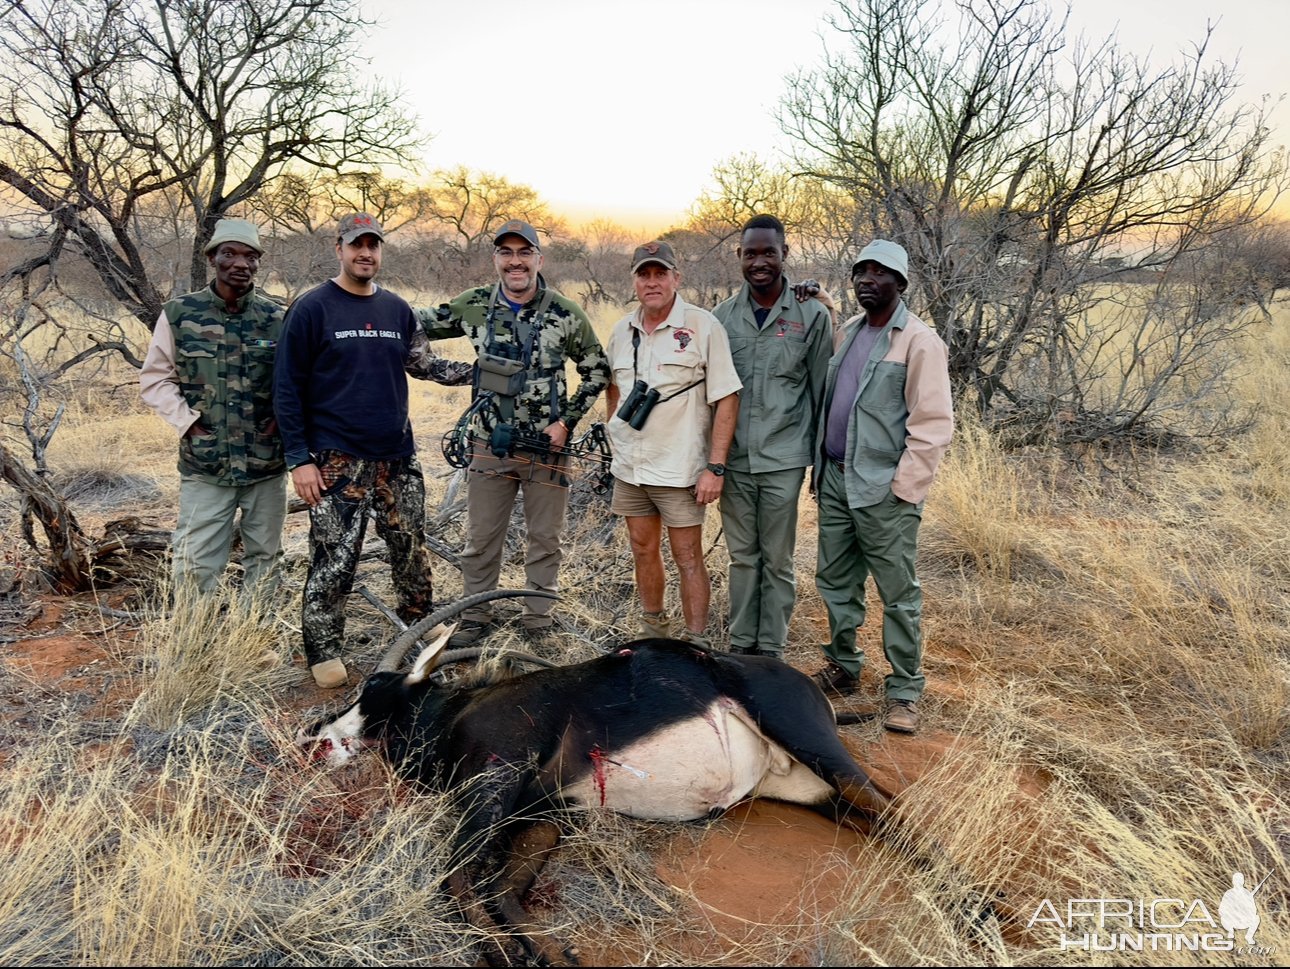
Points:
[(427, 659)]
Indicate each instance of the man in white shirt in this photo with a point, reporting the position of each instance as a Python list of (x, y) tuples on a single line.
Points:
[(673, 404)]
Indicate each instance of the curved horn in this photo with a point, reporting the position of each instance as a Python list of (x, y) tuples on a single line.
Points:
[(398, 650), (474, 652)]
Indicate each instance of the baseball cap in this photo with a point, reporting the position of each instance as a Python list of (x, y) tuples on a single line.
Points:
[(659, 252), (517, 228), (359, 224)]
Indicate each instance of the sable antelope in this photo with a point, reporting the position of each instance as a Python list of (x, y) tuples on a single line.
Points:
[(659, 729)]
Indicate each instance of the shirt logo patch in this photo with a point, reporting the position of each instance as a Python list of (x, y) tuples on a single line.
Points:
[(683, 337)]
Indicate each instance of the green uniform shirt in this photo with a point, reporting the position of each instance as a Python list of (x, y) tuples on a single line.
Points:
[(224, 366), (565, 334), (782, 365)]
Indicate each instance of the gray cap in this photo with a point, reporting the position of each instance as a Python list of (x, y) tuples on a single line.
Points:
[(234, 230), (517, 228), (885, 253), (359, 224), (659, 252)]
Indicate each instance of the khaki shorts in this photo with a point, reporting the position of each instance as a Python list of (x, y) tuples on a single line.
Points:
[(676, 505)]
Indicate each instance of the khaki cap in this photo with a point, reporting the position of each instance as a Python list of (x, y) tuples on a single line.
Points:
[(234, 230), (885, 253)]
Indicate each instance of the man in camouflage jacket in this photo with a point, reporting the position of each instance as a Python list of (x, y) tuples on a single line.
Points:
[(522, 319), (209, 374)]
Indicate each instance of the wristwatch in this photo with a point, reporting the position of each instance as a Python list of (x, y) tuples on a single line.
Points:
[(718, 469)]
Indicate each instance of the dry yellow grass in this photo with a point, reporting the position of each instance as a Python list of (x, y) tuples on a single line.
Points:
[(1109, 679)]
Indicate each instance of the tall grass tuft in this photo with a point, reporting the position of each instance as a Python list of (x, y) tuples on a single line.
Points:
[(207, 650)]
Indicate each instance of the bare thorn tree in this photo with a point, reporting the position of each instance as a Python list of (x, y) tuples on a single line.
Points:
[(1025, 172), (117, 114)]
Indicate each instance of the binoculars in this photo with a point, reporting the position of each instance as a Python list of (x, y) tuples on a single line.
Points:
[(636, 408)]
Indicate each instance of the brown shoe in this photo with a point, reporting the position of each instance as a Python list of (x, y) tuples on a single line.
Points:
[(902, 716), (697, 639), (540, 635), (833, 679)]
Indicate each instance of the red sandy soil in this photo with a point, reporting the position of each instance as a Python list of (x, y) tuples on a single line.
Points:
[(765, 864)]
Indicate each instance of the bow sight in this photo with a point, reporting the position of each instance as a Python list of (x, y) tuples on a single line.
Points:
[(590, 451)]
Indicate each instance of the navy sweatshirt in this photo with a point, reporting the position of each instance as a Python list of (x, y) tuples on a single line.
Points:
[(338, 379)]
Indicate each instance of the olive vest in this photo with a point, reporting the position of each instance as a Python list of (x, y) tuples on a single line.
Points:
[(224, 365)]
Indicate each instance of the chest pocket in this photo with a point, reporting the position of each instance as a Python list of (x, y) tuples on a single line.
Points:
[(741, 352), (885, 392), (197, 363), (676, 368), (259, 364), (194, 349), (789, 360)]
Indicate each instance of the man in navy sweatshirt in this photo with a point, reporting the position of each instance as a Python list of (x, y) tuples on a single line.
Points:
[(340, 394)]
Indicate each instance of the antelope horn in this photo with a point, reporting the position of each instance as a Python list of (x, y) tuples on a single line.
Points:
[(398, 650), (474, 652)]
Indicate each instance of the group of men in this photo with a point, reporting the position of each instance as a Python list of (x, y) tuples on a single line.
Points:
[(731, 407)]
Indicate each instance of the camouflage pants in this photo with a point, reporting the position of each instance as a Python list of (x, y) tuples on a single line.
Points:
[(393, 492)]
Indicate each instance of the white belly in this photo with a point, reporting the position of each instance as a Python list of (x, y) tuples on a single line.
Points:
[(695, 768)]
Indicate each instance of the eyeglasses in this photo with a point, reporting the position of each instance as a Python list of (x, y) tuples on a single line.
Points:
[(528, 252)]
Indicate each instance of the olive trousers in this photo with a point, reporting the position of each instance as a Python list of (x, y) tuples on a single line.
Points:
[(882, 541), (759, 516), (204, 532)]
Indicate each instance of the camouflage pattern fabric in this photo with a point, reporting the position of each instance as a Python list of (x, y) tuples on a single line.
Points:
[(394, 493), (224, 362), (424, 364), (565, 334)]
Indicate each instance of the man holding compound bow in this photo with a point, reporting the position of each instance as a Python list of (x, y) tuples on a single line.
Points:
[(523, 332)]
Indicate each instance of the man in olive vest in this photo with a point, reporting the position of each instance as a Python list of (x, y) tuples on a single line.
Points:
[(209, 375)]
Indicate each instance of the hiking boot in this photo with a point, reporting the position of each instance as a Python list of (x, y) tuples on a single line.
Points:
[(698, 639), (538, 634), (330, 673), (468, 633), (755, 651), (833, 679), (655, 625), (902, 716)]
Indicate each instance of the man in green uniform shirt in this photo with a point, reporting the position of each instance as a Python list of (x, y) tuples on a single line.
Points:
[(781, 349)]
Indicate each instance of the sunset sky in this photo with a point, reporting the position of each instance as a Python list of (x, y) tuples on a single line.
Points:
[(622, 109)]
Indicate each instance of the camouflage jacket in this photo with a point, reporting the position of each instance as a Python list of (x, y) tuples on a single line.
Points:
[(564, 334), (223, 364)]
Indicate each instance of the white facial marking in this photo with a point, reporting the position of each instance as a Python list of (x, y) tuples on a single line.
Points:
[(340, 740)]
